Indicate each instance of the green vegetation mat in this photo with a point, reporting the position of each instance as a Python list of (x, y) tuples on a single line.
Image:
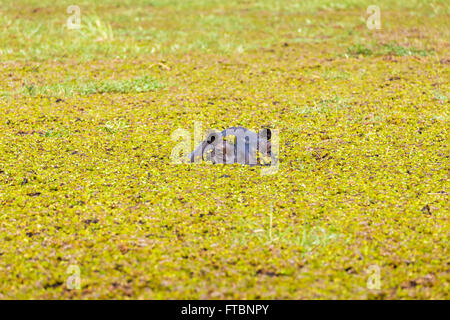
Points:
[(358, 208)]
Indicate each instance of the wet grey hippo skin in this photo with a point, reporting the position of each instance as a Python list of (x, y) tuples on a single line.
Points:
[(217, 149)]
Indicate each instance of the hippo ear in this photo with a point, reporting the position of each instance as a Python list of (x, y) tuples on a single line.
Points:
[(266, 133), (212, 138)]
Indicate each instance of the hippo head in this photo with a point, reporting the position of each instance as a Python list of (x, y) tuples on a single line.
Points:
[(248, 147)]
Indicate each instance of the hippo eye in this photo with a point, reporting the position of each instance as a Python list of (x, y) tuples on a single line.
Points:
[(211, 139)]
